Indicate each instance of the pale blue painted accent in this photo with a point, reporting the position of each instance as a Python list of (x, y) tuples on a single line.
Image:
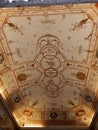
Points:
[(6, 3)]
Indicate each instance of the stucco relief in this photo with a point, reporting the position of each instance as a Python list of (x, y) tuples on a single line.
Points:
[(48, 64)]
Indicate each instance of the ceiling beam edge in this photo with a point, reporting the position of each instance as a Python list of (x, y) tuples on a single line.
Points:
[(20, 3), (8, 113)]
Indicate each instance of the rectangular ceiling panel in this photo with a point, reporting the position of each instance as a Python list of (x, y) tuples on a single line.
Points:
[(49, 64)]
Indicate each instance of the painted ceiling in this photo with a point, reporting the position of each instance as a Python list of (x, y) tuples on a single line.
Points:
[(49, 64)]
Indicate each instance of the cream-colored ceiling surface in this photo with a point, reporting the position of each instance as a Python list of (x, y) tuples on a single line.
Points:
[(49, 64)]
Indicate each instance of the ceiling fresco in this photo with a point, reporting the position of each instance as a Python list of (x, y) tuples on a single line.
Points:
[(49, 64)]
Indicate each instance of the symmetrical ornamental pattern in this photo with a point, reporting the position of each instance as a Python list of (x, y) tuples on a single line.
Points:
[(49, 64)]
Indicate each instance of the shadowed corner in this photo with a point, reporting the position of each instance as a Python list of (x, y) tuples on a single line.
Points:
[(92, 104), (94, 122), (7, 110)]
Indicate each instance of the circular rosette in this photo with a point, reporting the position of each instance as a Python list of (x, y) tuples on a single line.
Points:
[(87, 97), (51, 72)]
